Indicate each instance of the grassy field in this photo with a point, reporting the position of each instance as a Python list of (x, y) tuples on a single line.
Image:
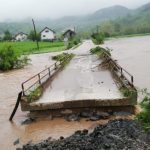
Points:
[(31, 47)]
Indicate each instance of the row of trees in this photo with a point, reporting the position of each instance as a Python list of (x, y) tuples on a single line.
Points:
[(127, 26), (8, 36)]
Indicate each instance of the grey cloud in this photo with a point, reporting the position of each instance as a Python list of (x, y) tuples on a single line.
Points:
[(20, 9)]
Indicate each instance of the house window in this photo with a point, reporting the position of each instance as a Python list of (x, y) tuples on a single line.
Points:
[(46, 30), (44, 35)]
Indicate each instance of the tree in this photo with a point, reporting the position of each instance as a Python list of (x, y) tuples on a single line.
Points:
[(10, 59), (107, 28), (98, 38), (32, 36), (7, 36)]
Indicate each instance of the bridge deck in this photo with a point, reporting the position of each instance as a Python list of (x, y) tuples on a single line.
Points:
[(82, 79)]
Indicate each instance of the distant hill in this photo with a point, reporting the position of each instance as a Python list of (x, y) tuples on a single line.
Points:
[(144, 8), (59, 24), (120, 14), (111, 13)]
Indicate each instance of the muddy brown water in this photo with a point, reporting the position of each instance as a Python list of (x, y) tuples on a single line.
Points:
[(132, 53)]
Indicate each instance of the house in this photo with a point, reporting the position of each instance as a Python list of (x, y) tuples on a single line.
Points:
[(48, 34), (69, 33), (21, 36)]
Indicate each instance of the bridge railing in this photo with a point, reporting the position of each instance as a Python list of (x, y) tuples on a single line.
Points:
[(121, 71), (37, 80)]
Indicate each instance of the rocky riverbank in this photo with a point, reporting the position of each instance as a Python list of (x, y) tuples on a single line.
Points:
[(116, 135)]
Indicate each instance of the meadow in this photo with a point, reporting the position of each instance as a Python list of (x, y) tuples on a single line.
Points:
[(30, 47)]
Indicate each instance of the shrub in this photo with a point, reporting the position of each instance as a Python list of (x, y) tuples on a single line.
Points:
[(9, 59), (72, 42), (7, 36), (34, 95), (128, 92), (99, 51), (98, 38), (144, 116), (64, 58)]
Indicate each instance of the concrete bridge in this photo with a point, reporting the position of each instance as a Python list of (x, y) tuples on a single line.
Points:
[(81, 84)]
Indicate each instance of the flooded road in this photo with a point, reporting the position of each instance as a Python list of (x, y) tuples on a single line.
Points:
[(132, 53)]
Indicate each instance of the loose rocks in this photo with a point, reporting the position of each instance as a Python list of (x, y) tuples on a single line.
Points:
[(116, 135)]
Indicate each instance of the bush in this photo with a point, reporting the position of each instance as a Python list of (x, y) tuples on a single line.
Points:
[(72, 42), (99, 51), (64, 58), (144, 116), (7, 36), (9, 59), (34, 95), (98, 38), (128, 92)]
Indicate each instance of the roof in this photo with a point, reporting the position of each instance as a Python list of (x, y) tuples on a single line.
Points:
[(48, 29), (69, 30), (20, 33)]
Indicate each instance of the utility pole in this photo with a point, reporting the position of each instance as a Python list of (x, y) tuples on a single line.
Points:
[(35, 34)]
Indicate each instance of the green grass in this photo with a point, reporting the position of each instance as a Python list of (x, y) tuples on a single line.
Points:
[(31, 47)]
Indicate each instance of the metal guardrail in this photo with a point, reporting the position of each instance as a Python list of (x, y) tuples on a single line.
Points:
[(123, 73), (37, 80)]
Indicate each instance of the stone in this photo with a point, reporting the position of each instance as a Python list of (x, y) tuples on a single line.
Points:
[(61, 138), (85, 131), (66, 112), (102, 115), (94, 118), (28, 121), (73, 117), (115, 135), (86, 114), (17, 142)]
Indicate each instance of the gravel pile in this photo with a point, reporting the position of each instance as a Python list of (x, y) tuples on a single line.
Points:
[(116, 135)]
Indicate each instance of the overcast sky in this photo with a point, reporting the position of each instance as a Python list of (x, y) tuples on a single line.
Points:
[(21, 9)]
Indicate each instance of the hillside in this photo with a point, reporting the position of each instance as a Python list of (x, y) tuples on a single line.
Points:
[(144, 8), (59, 24), (136, 22), (111, 13)]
